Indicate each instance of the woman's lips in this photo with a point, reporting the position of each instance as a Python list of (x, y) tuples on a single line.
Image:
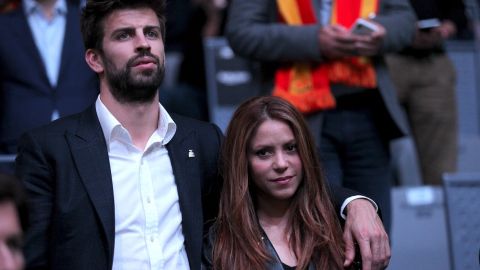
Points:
[(282, 179)]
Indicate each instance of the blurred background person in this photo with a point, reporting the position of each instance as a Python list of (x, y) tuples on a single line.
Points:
[(189, 22), (13, 219), (337, 78), (425, 80), (43, 72)]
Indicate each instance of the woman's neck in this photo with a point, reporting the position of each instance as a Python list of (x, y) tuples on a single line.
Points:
[(273, 212), (274, 218)]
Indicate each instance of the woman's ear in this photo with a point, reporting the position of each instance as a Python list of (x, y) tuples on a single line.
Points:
[(94, 60)]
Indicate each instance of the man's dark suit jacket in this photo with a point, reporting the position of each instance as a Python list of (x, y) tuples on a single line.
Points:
[(27, 98), (65, 169)]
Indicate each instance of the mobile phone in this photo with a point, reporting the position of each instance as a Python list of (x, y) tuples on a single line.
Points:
[(363, 27), (428, 24)]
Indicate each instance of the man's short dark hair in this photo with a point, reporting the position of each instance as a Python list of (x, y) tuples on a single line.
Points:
[(12, 191), (95, 12)]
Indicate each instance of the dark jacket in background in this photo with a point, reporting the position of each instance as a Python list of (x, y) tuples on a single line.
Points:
[(27, 98)]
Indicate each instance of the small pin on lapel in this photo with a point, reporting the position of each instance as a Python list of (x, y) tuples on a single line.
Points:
[(191, 153)]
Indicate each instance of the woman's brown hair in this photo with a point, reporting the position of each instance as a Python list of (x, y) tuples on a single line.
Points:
[(316, 233)]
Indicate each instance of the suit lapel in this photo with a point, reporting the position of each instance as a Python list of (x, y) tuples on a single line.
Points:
[(182, 150), (91, 159)]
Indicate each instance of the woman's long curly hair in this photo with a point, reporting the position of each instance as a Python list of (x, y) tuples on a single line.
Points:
[(316, 234)]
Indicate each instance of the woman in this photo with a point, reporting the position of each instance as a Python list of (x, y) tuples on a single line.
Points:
[(275, 210)]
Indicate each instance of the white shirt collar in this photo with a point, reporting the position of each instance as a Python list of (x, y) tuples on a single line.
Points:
[(31, 6), (112, 128)]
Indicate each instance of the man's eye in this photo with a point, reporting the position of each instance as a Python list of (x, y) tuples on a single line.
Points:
[(152, 34), (122, 36)]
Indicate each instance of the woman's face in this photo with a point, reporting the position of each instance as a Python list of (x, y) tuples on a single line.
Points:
[(274, 162)]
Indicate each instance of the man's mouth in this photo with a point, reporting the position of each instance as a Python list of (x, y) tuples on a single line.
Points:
[(144, 62)]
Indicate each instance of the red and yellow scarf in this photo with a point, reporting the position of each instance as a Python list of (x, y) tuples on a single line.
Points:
[(306, 85)]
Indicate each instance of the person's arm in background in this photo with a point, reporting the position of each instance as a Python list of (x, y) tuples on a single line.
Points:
[(396, 29), (253, 32), (398, 19), (454, 18), (451, 14)]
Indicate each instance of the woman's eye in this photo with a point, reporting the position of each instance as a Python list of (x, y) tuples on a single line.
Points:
[(264, 153), (291, 147), (261, 153)]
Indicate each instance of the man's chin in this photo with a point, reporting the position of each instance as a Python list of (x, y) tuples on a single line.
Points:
[(146, 96)]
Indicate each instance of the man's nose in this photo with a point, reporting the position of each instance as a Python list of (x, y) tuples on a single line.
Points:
[(142, 42)]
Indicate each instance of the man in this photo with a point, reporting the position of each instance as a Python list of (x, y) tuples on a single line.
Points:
[(124, 185), (43, 74), (425, 79), (13, 219), (311, 56)]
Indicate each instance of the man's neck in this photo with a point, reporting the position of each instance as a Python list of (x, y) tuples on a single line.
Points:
[(47, 7), (140, 119)]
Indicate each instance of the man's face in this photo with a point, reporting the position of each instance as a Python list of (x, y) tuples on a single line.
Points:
[(11, 257), (133, 54)]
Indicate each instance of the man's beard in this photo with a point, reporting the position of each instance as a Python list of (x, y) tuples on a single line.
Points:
[(134, 88)]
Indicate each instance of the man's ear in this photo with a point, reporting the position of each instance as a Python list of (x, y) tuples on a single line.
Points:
[(94, 60)]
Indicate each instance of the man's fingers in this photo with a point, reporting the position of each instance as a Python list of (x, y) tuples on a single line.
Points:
[(340, 29), (385, 246), (366, 252), (378, 251), (380, 247), (349, 249), (388, 253)]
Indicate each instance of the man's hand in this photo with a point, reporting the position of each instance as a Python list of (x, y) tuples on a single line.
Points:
[(364, 226), (369, 45), (447, 29), (336, 42), (435, 36)]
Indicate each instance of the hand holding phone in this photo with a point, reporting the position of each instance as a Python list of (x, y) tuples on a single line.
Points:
[(428, 24), (363, 27)]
